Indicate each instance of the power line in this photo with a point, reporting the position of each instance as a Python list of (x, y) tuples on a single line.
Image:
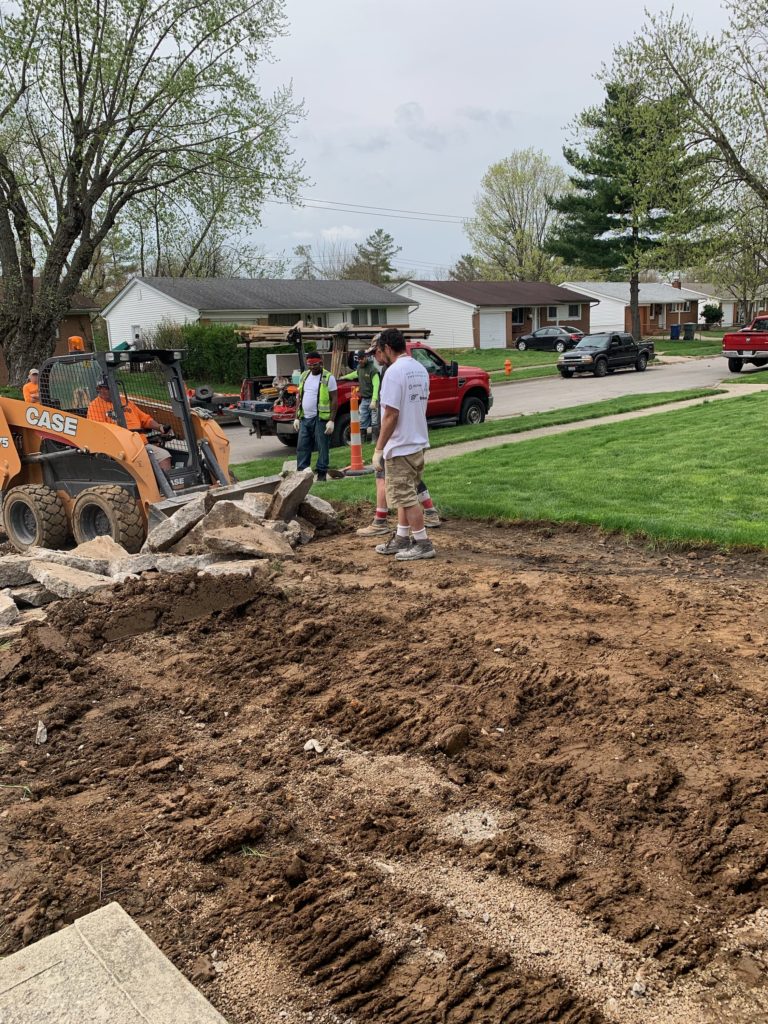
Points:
[(427, 219), (388, 209)]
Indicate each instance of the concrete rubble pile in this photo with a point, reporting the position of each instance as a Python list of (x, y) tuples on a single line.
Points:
[(228, 531)]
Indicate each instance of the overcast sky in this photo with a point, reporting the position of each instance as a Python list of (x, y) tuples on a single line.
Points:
[(408, 102)]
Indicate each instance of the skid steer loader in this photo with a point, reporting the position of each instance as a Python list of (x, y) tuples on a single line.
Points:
[(64, 473)]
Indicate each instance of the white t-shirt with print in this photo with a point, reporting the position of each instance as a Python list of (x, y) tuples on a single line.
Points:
[(405, 387), (311, 391)]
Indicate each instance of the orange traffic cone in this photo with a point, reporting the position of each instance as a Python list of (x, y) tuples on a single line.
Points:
[(356, 467)]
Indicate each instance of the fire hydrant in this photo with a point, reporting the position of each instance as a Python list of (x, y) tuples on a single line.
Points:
[(507, 367)]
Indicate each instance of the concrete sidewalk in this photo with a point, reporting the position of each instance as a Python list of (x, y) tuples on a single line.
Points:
[(466, 447), (103, 969)]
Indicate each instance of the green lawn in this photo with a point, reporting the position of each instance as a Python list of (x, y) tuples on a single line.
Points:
[(684, 475), (491, 428), (526, 373), (688, 348), (493, 358), (751, 376)]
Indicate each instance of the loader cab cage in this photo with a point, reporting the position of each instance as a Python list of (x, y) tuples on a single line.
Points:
[(148, 379)]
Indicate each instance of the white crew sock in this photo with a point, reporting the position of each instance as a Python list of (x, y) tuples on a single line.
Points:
[(420, 534), (403, 531)]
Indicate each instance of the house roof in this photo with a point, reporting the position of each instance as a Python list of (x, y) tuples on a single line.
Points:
[(649, 291), (504, 293), (78, 303), (222, 293)]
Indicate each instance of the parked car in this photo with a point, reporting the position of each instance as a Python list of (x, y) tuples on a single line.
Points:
[(606, 352), (574, 331), (550, 339), (747, 344)]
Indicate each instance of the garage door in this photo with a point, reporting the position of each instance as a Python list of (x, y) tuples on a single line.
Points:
[(493, 330)]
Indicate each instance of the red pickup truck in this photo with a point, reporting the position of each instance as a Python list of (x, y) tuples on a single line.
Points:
[(749, 345), (457, 394)]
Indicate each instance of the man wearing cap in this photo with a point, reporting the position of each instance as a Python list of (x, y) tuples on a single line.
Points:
[(102, 411), (316, 404), (31, 389), (369, 381)]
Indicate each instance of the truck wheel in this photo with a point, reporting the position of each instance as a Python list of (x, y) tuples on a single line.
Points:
[(521, 346), (735, 365), (601, 368), (244, 421), (472, 411), (289, 440), (204, 393), (566, 373), (560, 346), (341, 432), (108, 511), (759, 362), (641, 362), (34, 516)]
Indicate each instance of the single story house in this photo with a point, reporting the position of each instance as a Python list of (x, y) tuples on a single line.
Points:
[(491, 314), (146, 302), (734, 311), (661, 305)]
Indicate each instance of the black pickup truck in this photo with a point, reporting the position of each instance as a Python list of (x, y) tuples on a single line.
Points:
[(605, 352)]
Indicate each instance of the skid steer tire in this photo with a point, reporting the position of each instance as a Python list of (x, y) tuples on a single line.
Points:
[(34, 516), (108, 511)]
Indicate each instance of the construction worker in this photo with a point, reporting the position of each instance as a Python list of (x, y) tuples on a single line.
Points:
[(368, 377), (316, 404), (31, 389), (102, 411)]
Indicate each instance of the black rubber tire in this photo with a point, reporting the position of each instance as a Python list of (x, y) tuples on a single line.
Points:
[(108, 511), (472, 411), (35, 516), (611, 369), (641, 362), (559, 346), (204, 393), (567, 374), (521, 346), (759, 362), (735, 365), (601, 368), (341, 431), (289, 440)]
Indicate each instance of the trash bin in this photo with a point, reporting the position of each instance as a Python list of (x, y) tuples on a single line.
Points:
[(689, 332), (674, 332)]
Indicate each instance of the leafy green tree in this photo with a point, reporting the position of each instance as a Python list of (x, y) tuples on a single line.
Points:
[(739, 261), (373, 259), (634, 196), (304, 268), (515, 215), (106, 105)]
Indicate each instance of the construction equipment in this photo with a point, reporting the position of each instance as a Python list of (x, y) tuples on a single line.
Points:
[(64, 474)]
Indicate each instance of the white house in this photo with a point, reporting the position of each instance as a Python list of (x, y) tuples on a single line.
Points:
[(661, 305), (491, 314), (146, 302), (734, 311)]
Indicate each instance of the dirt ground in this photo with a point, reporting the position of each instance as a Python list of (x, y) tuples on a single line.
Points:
[(540, 793)]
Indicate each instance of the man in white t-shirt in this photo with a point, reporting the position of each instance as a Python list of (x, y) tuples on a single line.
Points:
[(401, 444), (316, 405)]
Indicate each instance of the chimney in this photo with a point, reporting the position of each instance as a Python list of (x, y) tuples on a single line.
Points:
[(677, 283)]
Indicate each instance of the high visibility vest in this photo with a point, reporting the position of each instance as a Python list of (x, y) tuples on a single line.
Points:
[(323, 397)]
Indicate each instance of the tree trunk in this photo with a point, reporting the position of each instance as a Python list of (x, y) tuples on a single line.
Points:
[(634, 303), (25, 349)]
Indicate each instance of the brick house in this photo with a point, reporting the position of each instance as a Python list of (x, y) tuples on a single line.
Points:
[(661, 306)]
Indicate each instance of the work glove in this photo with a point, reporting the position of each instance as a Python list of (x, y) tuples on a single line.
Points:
[(329, 428), (374, 406), (378, 460), (297, 425), (167, 428)]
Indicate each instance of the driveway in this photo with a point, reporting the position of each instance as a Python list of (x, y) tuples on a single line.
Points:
[(540, 395)]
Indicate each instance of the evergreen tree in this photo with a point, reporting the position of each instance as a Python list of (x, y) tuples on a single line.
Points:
[(304, 268), (373, 259), (635, 192)]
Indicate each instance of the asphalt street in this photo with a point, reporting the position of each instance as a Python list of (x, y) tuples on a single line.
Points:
[(541, 395)]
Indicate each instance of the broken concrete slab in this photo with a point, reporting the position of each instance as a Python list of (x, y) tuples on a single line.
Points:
[(237, 567), (248, 541), (66, 581), (101, 548), (225, 515), (25, 617), (307, 529), (319, 512), (289, 495), (14, 570), (33, 594), (265, 484), (257, 503), (101, 968), (171, 530), (9, 613), (291, 531), (100, 566), (289, 466), (158, 561)]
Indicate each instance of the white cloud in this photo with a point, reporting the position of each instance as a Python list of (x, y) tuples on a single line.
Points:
[(302, 236), (341, 233)]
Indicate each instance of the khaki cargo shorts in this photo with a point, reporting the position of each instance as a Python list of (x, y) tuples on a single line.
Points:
[(402, 474)]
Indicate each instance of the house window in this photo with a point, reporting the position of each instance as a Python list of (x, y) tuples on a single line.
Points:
[(686, 307), (518, 316), (574, 310), (359, 317), (378, 316), (551, 312), (283, 319)]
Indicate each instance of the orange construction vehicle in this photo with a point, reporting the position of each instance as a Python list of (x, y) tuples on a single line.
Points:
[(64, 473)]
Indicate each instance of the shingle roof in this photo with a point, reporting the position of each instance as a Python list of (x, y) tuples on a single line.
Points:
[(220, 293), (504, 293), (649, 292)]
